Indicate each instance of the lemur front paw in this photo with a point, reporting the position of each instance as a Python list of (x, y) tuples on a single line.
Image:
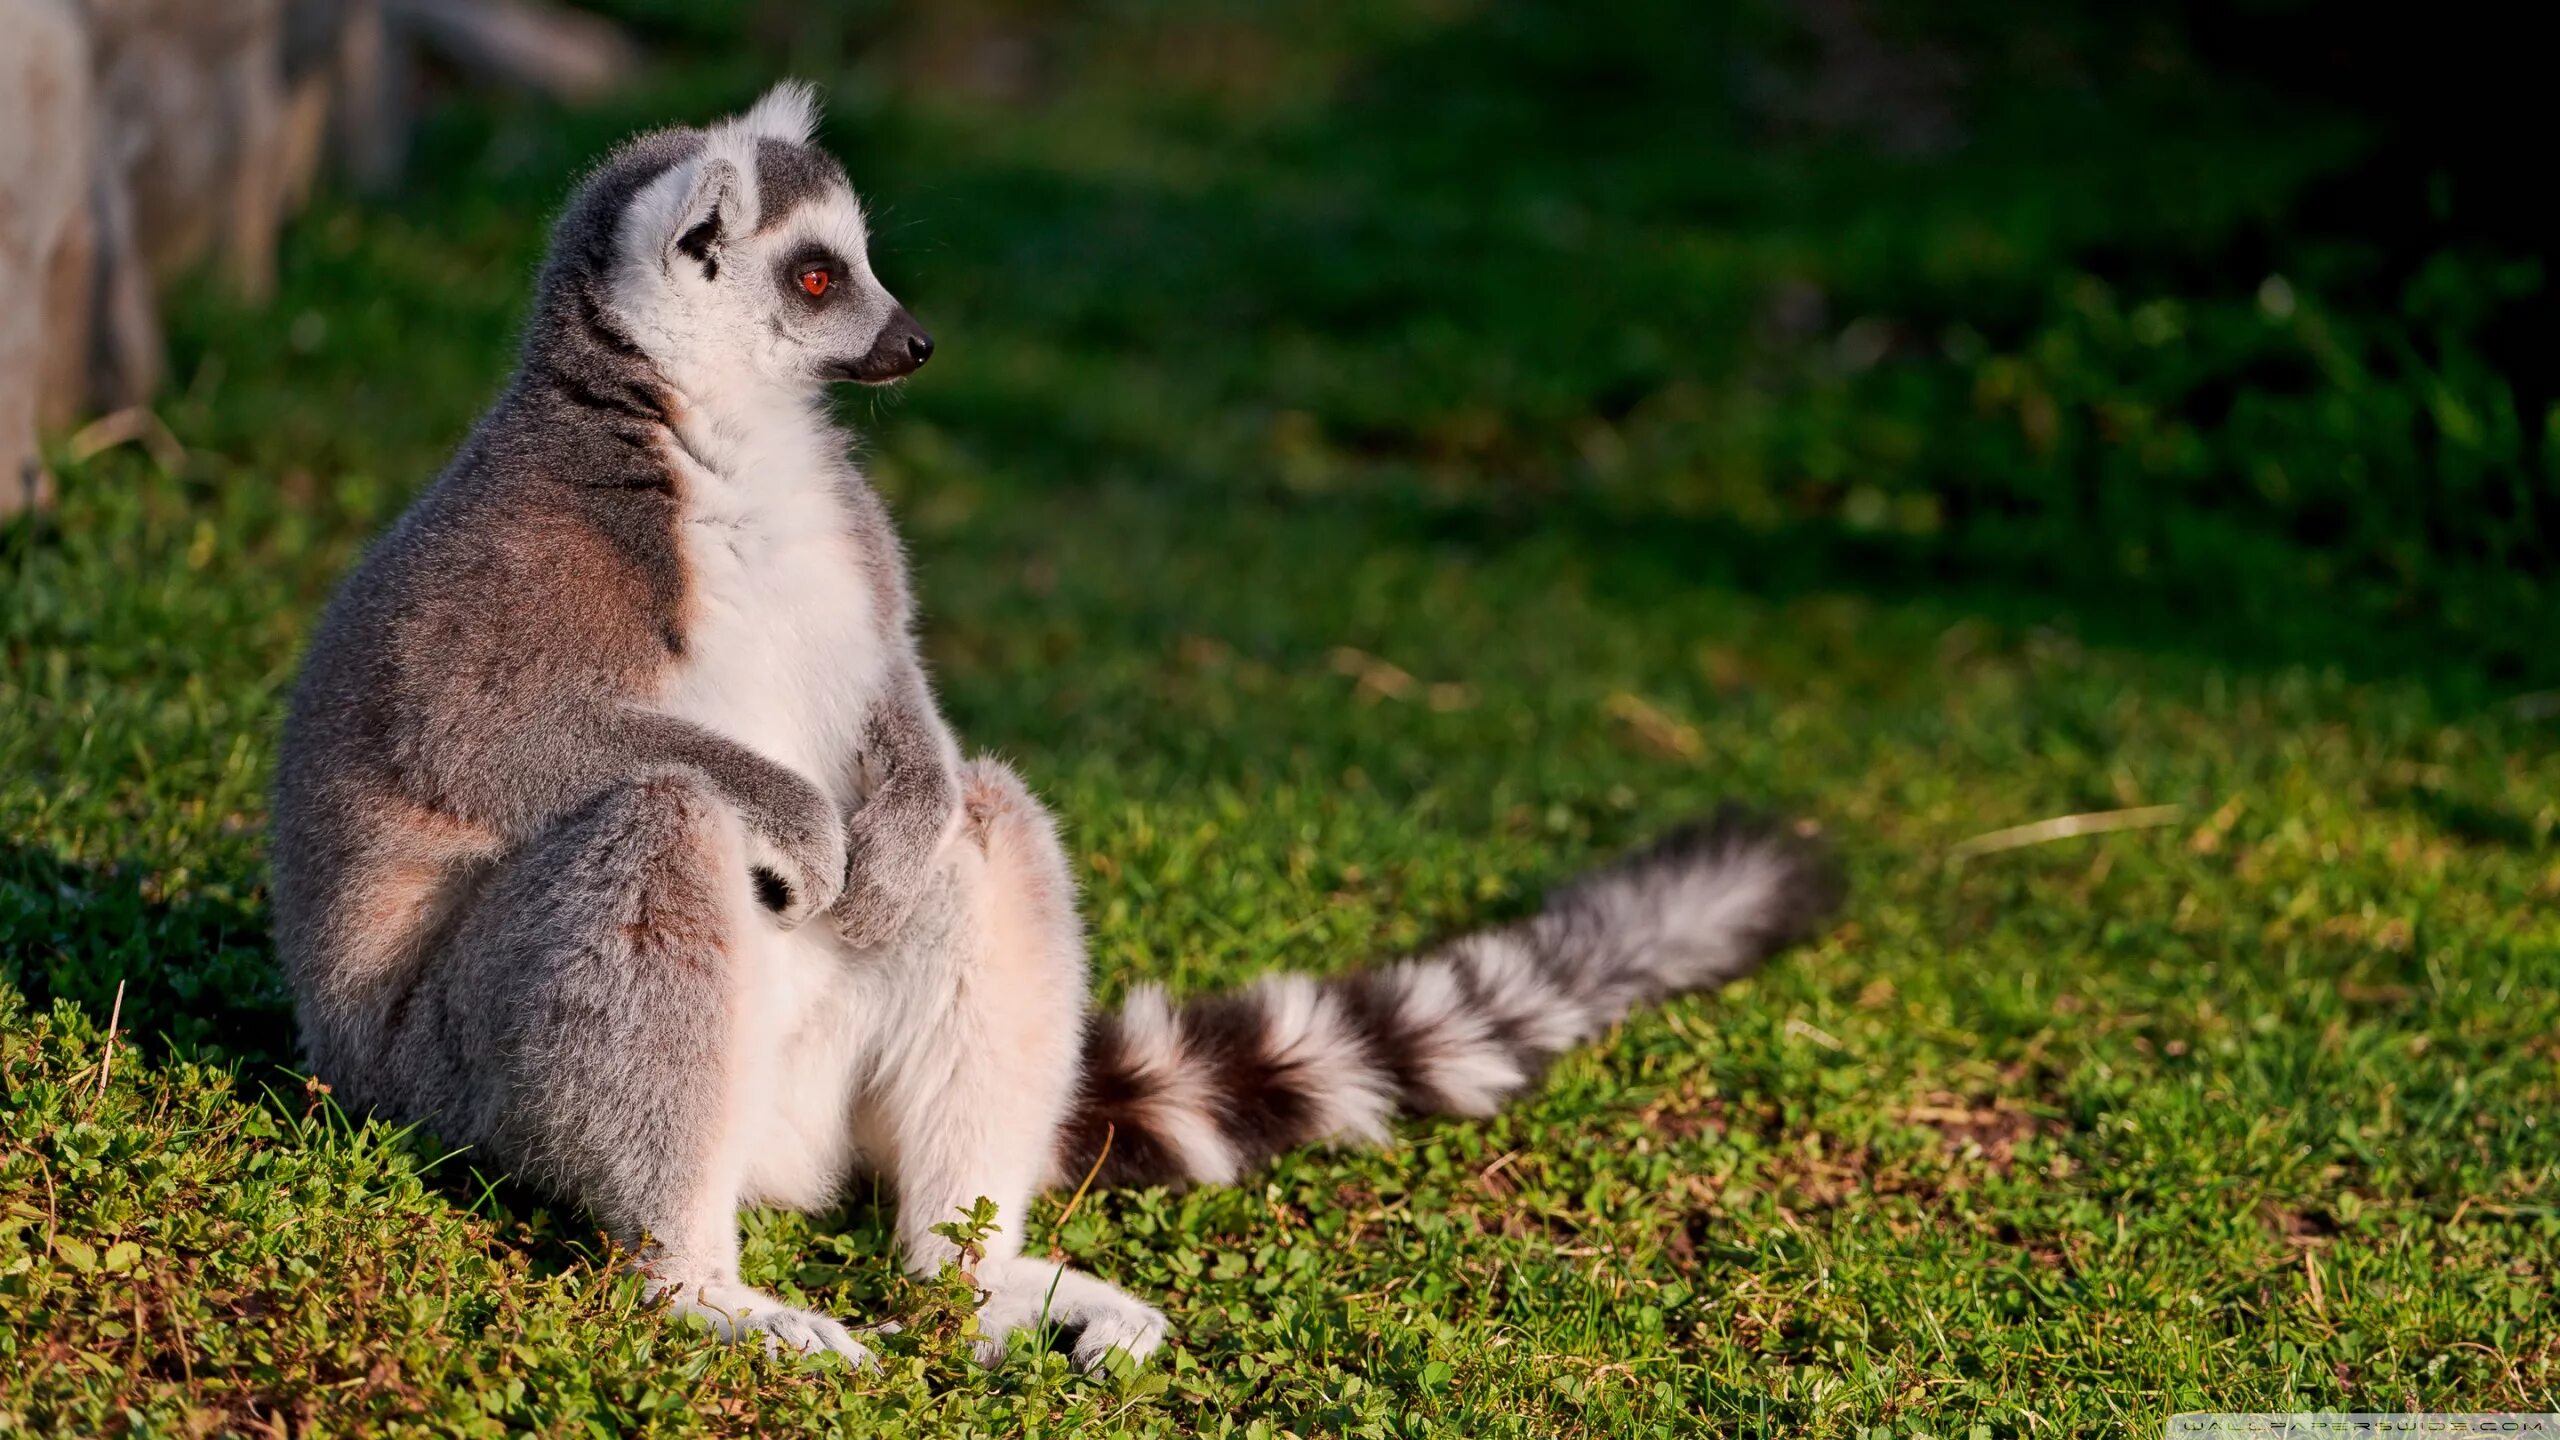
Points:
[(891, 849), (876, 902), (796, 860)]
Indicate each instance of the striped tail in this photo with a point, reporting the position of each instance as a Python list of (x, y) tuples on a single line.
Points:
[(1202, 1092)]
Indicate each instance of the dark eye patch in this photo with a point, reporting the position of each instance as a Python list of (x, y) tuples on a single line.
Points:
[(812, 274)]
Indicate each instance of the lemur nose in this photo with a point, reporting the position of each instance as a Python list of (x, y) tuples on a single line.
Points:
[(920, 345)]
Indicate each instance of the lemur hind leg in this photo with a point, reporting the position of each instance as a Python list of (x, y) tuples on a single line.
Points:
[(976, 1080), (590, 1023)]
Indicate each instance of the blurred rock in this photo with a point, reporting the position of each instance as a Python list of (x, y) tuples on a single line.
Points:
[(143, 140), (192, 112), (562, 53), (1895, 90), (44, 232)]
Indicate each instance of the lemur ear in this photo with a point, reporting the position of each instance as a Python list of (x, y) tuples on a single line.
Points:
[(702, 227)]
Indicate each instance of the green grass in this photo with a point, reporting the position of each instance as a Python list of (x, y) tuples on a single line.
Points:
[(1379, 462)]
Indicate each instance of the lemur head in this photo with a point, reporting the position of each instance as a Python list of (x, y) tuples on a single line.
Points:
[(746, 259)]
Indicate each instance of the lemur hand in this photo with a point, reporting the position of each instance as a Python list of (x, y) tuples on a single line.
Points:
[(891, 846), (795, 852)]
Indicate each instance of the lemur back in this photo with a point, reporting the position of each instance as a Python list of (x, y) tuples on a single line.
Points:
[(605, 546), (618, 835)]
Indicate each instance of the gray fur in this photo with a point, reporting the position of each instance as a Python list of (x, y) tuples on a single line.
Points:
[(890, 842), (479, 675), (607, 928), (513, 890), (641, 656), (789, 176)]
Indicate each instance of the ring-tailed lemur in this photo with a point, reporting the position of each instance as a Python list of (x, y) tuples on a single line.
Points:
[(617, 833)]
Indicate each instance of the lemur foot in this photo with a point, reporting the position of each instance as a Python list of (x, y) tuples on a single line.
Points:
[(1031, 1294), (740, 1313)]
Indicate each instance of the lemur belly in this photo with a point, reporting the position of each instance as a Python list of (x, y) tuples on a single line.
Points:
[(821, 1017), (784, 650), (784, 653), (805, 1038)]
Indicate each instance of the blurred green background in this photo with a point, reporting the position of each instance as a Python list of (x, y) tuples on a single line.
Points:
[(2225, 329)]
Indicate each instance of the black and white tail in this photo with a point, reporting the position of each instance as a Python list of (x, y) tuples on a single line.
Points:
[(1202, 1091)]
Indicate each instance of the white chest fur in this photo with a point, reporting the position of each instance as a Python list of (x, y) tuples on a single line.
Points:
[(785, 648)]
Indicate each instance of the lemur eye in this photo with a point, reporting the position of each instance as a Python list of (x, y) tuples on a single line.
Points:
[(815, 280)]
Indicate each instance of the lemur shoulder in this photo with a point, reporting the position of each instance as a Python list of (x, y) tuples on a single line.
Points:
[(618, 834)]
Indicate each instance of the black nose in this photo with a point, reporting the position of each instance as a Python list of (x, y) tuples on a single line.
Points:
[(896, 352)]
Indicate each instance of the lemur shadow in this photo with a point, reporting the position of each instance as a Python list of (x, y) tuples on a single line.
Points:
[(196, 969), (186, 977)]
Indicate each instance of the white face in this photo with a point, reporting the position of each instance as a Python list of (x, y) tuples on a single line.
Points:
[(749, 262)]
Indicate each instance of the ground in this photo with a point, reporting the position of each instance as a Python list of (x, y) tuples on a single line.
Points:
[(1379, 461)]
